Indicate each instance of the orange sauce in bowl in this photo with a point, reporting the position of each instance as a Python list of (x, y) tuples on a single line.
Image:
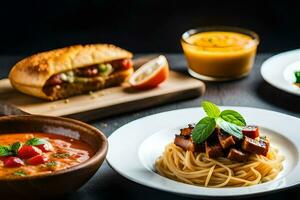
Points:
[(220, 54)]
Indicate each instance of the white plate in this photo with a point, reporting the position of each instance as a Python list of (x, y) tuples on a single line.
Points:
[(134, 147), (279, 71)]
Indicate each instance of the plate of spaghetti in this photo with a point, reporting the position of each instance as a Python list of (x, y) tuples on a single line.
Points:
[(209, 151)]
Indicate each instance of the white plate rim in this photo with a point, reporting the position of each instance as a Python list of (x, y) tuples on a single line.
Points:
[(212, 193), (280, 82)]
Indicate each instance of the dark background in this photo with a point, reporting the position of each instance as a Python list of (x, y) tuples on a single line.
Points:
[(140, 26)]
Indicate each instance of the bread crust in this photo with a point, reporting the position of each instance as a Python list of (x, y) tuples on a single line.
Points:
[(35, 70)]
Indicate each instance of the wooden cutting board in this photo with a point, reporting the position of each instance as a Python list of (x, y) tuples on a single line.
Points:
[(105, 102)]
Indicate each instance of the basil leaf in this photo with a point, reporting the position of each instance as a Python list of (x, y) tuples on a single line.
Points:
[(15, 147), (5, 151), (211, 109), (230, 128), (19, 173), (10, 150), (203, 129), (36, 141), (233, 117)]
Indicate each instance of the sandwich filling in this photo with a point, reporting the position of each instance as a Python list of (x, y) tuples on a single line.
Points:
[(85, 79)]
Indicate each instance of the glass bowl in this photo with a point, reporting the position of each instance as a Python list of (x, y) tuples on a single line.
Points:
[(219, 53)]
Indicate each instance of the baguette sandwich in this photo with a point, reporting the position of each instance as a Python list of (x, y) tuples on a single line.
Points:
[(70, 71)]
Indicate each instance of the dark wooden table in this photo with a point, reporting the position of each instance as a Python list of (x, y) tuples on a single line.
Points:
[(251, 91)]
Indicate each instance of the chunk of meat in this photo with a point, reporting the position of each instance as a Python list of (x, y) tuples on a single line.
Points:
[(200, 147), (251, 131), (185, 143), (266, 140), (225, 139), (116, 63), (260, 147), (213, 150), (54, 80), (237, 155), (91, 71), (186, 131)]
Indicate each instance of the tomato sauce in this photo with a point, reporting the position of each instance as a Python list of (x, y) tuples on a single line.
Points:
[(60, 153)]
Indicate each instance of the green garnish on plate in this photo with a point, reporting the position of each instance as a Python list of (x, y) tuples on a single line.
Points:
[(229, 120)]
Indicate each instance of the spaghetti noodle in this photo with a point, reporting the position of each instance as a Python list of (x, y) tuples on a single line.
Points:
[(197, 169)]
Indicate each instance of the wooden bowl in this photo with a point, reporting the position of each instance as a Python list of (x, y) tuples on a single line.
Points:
[(59, 182)]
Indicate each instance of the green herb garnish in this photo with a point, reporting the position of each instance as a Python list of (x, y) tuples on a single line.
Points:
[(211, 109), (297, 75), (5, 151), (61, 155), (229, 120), (15, 147), (19, 173), (233, 117), (203, 129), (10, 150), (36, 141), (230, 128), (51, 164)]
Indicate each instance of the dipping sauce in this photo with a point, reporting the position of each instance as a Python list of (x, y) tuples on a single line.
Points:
[(28, 154), (219, 55)]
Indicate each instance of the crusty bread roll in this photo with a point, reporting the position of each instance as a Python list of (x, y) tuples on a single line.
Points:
[(30, 74)]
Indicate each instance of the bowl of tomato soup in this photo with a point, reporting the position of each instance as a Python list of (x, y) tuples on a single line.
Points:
[(219, 53), (46, 156)]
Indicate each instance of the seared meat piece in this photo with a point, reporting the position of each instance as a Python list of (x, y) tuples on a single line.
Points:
[(91, 71), (213, 150), (213, 147), (236, 155), (116, 63), (54, 80), (185, 143), (225, 139), (186, 131), (199, 147), (260, 147), (251, 131), (266, 140)]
